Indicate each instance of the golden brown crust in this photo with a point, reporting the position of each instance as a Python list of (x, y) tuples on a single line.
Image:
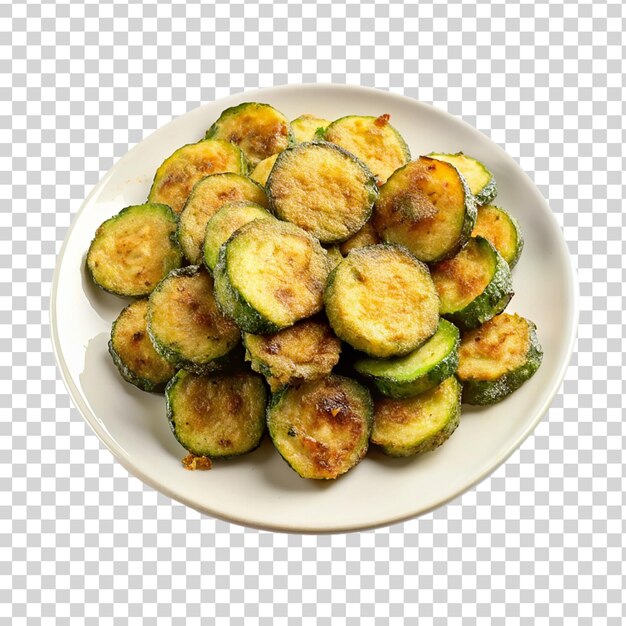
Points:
[(373, 140), (218, 414), (184, 315), (328, 427), (422, 206), (497, 347), (192, 462), (258, 129), (461, 279), (495, 228), (178, 174), (306, 351), (322, 190), (131, 253)]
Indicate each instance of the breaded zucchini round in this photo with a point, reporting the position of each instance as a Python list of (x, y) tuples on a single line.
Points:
[(427, 207), (382, 301), (404, 427), (231, 217), (306, 126), (217, 415), (373, 140), (258, 129), (307, 350), (323, 189), (497, 358), (206, 198), (184, 168), (501, 230), (185, 325), (422, 369), (474, 285), (321, 428), (269, 275), (132, 251), (133, 353)]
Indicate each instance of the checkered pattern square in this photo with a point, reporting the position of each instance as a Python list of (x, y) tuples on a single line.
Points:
[(81, 542)]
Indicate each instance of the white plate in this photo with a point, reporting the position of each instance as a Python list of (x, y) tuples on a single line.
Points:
[(259, 489)]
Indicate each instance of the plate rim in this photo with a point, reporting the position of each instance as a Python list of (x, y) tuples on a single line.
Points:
[(114, 447)]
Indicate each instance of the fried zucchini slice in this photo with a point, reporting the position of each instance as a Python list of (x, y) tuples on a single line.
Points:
[(262, 171), (321, 428), (178, 174), (426, 367), (367, 236), (497, 358), (306, 126), (185, 325), (206, 198), (258, 129), (269, 275), (404, 427), (427, 207), (228, 219), (501, 230), (307, 350), (323, 189), (481, 182), (474, 285), (382, 301), (132, 351), (373, 140), (217, 415), (132, 251)]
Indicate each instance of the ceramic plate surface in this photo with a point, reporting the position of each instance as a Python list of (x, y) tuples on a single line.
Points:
[(259, 489)]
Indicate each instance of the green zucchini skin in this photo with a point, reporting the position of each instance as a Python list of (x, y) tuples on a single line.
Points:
[(176, 354), (384, 376), (502, 228), (467, 166), (233, 304), (309, 208), (270, 129), (138, 353), (405, 442), (262, 311), (150, 270), (299, 418), (494, 298), (227, 410), (485, 392)]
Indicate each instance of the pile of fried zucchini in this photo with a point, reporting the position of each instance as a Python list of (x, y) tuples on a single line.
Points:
[(311, 278)]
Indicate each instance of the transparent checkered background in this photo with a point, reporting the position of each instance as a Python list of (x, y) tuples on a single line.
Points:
[(82, 542)]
